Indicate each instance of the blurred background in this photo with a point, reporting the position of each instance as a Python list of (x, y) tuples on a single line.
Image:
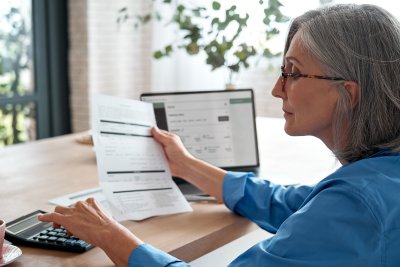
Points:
[(54, 54)]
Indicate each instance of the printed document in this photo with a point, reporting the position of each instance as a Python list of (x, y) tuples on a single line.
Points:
[(132, 168)]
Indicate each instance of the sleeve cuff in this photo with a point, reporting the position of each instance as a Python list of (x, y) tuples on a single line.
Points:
[(147, 255), (233, 187)]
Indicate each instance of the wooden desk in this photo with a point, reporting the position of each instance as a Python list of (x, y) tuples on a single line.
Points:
[(33, 173)]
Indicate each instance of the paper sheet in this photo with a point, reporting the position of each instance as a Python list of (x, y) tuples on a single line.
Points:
[(72, 198), (133, 171)]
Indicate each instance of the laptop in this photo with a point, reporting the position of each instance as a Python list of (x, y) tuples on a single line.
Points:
[(216, 126)]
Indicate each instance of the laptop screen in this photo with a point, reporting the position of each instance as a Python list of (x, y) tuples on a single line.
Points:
[(215, 126)]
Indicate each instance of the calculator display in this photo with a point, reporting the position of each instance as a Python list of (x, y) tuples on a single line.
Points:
[(24, 224)]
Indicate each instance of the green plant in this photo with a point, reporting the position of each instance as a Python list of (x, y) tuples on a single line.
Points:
[(214, 30)]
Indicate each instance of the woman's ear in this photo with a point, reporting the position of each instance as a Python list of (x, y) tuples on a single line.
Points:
[(353, 90)]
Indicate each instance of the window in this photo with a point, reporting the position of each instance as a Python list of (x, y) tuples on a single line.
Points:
[(33, 70), (17, 109)]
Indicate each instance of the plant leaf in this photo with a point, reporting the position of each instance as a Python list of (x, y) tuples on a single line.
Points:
[(216, 5), (158, 54)]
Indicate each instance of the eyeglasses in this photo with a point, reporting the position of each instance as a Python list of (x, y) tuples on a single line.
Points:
[(285, 75)]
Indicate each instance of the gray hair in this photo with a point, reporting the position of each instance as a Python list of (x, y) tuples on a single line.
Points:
[(358, 43)]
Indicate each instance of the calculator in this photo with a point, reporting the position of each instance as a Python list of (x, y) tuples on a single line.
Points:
[(29, 231)]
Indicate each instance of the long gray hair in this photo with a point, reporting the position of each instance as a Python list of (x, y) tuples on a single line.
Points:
[(359, 43)]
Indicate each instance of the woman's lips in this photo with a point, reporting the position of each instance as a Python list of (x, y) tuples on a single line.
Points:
[(287, 112)]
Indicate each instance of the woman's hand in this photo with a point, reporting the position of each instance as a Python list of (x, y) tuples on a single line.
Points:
[(176, 153), (87, 221), (182, 164)]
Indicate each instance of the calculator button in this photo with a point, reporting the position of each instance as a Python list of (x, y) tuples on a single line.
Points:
[(70, 242), (60, 235), (52, 238), (50, 229), (43, 232), (58, 230), (51, 233), (43, 237), (80, 243), (61, 240)]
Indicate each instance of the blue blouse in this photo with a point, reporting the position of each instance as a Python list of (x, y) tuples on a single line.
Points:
[(350, 218)]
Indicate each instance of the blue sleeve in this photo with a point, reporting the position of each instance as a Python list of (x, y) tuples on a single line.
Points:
[(261, 201), (147, 255), (337, 227)]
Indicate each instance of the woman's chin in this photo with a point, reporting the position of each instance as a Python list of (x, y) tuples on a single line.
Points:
[(291, 130)]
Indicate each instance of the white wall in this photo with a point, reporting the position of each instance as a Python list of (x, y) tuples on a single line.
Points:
[(105, 58), (119, 56), (78, 62)]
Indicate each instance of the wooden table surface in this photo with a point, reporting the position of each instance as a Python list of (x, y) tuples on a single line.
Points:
[(33, 173)]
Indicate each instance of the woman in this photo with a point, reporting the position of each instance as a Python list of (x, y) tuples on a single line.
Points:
[(340, 83)]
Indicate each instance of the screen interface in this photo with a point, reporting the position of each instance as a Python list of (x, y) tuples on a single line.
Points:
[(217, 127)]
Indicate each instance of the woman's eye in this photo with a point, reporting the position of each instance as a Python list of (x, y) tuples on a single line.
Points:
[(288, 68), (294, 70)]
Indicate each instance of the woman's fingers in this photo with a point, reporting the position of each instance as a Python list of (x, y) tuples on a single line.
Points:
[(55, 218), (50, 217), (62, 210), (159, 135)]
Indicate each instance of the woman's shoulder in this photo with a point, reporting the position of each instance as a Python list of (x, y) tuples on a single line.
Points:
[(373, 182), (379, 168)]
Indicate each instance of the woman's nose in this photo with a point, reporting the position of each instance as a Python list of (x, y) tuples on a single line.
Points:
[(277, 91)]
